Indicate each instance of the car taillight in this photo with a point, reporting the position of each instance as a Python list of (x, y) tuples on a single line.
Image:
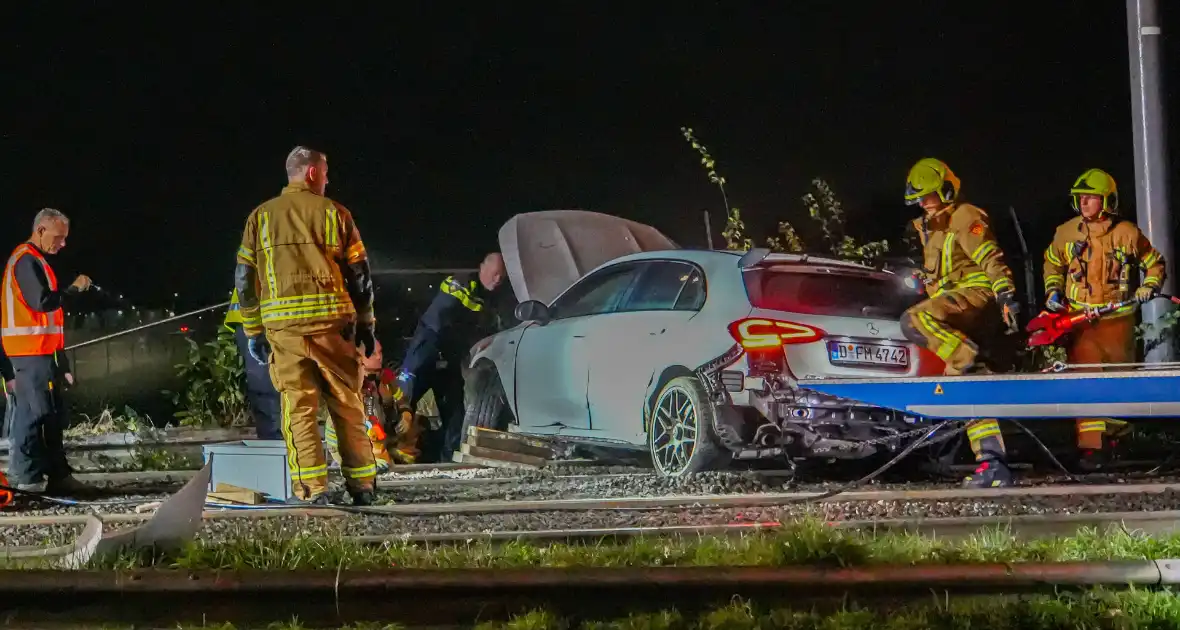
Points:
[(755, 333)]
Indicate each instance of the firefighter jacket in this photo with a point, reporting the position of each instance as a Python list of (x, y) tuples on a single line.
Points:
[(302, 266), (32, 322), (459, 315), (960, 251), (1091, 262)]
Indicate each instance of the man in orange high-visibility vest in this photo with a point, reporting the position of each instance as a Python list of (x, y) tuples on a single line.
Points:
[(32, 328)]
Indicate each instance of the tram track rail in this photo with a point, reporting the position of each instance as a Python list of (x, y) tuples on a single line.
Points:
[(430, 597), (1159, 518)]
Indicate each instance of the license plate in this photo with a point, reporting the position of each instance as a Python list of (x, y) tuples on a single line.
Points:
[(845, 353)]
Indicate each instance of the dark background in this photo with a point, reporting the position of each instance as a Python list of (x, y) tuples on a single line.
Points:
[(157, 129)]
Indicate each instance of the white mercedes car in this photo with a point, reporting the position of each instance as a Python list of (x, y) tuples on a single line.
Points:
[(629, 341)]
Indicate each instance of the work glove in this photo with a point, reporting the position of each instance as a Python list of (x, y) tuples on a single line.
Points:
[(366, 338), (403, 390), (1145, 294), (81, 283), (1009, 310), (259, 348), (1054, 302)]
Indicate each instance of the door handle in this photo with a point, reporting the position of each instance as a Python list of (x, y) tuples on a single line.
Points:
[(579, 336)]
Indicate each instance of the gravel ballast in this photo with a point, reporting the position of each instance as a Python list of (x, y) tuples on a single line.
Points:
[(363, 525), (49, 535)]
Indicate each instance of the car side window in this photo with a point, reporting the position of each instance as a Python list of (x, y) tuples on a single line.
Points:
[(692, 294), (659, 286), (599, 293)]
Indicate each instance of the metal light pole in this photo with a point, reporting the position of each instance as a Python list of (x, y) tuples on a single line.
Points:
[(708, 231), (1151, 156)]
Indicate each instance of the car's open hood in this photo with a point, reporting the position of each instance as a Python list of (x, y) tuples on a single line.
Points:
[(546, 252)]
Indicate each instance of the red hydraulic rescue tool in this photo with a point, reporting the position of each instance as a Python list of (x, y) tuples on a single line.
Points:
[(5, 495), (1048, 327)]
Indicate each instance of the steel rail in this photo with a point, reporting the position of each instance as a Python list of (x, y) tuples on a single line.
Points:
[(653, 503), (425, 597), (760, 499), (1023, 527), (1020, 526), (512, 474), (184, 475)]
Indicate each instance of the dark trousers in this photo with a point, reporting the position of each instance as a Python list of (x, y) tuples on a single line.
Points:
[(260, 392), (40, 418), (9, 411), (447, 385)]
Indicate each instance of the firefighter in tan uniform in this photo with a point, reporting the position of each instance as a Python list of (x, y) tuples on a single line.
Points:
[(1089, 264), (966, 277), (306, 295)]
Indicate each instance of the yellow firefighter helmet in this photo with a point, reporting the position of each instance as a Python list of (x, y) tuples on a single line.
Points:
[(1096, 182), (930, 175)]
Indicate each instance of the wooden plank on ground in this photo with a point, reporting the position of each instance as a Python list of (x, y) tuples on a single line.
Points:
[(510, 442), (483, 462), (229, 487), (247, 497), (499, 459)]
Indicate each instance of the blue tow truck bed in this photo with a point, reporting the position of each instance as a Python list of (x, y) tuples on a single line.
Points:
[(1121, 394)]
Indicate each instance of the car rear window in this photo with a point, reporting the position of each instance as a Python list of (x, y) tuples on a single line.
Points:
[(836, 294)]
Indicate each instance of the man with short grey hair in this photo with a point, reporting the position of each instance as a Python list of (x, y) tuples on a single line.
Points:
[(32, 329)]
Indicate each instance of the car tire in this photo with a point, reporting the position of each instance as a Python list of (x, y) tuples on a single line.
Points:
[(683, 415), (485, 404)]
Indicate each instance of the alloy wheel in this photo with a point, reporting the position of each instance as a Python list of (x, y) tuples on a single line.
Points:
[(674, 431)]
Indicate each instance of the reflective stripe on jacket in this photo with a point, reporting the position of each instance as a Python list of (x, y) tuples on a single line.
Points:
[(26, 332)]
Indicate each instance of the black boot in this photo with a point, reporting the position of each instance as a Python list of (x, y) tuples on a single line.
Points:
[(991, 473), (364, 498), (1093, 460), (317, 500)]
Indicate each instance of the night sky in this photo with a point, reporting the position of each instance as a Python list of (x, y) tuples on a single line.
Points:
[(158, 131)]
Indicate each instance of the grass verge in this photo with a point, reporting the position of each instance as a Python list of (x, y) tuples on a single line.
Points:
[(269, 546), (1094, 610)]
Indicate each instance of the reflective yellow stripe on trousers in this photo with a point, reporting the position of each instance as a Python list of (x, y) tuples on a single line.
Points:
[(950, 341), (297, 473)]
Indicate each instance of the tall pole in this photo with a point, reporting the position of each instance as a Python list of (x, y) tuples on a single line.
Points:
[(708, 231), (1151, 156)]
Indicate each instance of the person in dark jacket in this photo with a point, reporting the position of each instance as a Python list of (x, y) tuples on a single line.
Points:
[(261, 395), (462, 312)]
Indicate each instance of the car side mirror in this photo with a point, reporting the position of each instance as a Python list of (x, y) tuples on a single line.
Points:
[(532, 311)]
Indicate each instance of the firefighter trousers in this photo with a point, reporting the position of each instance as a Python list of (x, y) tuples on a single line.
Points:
[(302, 367), (942, 324), (1105, 341)]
